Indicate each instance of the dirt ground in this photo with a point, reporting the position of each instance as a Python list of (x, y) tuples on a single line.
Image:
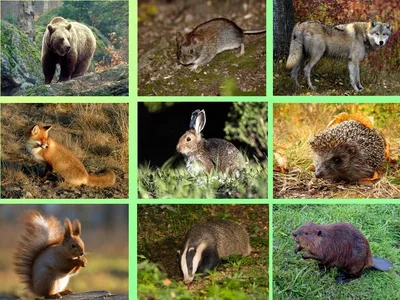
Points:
[(227, 74)]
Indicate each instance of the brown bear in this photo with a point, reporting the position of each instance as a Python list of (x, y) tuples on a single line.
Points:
[(69, 44)]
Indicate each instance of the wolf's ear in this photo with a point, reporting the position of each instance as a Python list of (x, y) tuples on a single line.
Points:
[(388, 25), (373, 24)]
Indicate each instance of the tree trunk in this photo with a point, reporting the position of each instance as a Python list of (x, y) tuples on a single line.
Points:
[(25, 19), (45, 6), (283, 26)]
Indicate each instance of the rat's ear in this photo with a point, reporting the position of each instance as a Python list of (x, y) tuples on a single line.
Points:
[(179, 38)]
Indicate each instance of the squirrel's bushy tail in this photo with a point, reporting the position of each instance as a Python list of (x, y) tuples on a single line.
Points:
[(40, 233), (382, 264), (296, 51), (102, 180)]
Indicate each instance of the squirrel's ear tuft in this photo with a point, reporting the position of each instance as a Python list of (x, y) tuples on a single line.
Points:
[(76, 227), (68, 229)]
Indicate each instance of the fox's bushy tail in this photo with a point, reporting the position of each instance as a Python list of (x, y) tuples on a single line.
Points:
[(296, 51), (102, 180), (40, 233)]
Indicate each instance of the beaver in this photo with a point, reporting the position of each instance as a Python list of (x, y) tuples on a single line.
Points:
[(338, 245)]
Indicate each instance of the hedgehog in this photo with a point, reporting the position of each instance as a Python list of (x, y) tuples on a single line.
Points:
[(348, 151)]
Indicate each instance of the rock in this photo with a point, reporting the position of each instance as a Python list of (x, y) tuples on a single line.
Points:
[(111, 82), (84, 296), (93, 295), (20, 60)]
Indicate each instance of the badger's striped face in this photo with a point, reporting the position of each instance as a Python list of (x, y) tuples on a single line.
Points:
[(190, 260)]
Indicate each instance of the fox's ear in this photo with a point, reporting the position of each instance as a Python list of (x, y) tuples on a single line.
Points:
[(68, 229), (47, 128), (76, 227), (35, 130)]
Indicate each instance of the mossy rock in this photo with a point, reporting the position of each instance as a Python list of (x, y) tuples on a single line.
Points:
[(20, 59)]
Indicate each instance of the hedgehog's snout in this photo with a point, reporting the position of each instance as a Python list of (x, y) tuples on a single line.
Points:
[(319, 173)]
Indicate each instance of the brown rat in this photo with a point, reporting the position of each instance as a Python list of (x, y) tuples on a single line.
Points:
[(338, 245), (203, 43)]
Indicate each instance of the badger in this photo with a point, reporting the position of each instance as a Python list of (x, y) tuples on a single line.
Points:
[(205, 244)]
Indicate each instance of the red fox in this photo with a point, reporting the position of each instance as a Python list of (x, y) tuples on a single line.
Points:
[(62, 161)]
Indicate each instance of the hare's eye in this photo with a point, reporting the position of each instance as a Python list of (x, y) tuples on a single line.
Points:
[(73, 246), (188, 139)]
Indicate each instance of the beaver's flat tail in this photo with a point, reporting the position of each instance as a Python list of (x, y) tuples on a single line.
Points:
[(382, 264)]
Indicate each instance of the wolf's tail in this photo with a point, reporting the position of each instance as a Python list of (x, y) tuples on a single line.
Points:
[(296, 47), (382, 264), (102, 180)]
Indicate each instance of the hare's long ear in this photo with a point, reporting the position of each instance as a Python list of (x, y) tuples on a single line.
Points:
[(193, 118), (200, 121)]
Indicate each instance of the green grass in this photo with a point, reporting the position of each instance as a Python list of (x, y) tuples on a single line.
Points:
[(177, 183), (161, 231), (296, 278)]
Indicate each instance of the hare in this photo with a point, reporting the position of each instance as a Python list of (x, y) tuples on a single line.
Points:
[(206, 155)]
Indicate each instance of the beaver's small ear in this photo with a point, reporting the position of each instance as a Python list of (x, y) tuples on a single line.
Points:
[(320, 233)]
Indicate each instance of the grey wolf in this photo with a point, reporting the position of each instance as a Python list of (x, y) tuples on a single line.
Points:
[(351, 41)]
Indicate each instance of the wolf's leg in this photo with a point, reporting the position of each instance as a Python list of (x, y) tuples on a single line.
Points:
[(295, 71), (353, 74), (315, 57), (358, 81)]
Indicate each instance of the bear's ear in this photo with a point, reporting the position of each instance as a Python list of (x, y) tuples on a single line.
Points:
[(68, 26), (50, 28)]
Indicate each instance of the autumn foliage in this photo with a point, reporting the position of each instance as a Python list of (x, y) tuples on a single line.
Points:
[(346, 11), (118, 53)]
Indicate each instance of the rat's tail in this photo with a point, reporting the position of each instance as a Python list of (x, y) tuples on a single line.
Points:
[(253, 31), (382, 264)]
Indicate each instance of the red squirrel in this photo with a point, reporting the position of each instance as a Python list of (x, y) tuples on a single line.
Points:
[(48, 255)]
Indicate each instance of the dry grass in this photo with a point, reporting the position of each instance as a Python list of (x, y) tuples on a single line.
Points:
[(296, 124), (96, 133)]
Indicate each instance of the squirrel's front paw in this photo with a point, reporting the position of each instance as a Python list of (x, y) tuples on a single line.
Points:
[(83, 261)]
